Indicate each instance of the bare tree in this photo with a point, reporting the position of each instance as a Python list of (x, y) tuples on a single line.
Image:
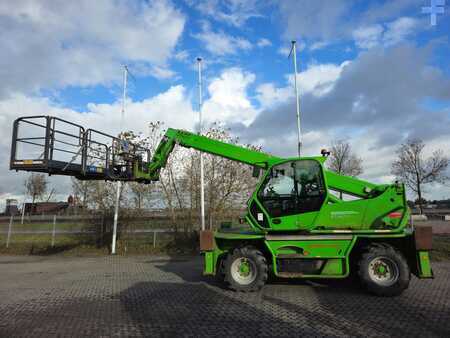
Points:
[(81, 191), (414, 170), (36, 186), (343, 161), (141, 192), (227, 183), (102, 195)]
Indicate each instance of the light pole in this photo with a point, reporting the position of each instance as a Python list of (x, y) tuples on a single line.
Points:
[(119, 183), (202, 183), (297, 99)]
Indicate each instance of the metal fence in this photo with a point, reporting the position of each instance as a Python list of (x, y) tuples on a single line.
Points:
[(145, 232), (54, 230)]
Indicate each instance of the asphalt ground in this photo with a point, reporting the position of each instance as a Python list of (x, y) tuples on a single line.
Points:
[(157, 296)]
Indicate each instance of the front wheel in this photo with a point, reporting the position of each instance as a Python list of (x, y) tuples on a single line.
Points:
[(384, 271), (246, 269)]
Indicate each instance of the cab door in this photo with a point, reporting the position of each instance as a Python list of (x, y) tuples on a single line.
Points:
[(292, 194)]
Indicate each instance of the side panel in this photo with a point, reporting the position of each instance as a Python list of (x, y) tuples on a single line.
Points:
[(314, 248), (365, 214), (331, 253), (393, 199), (343, 215)]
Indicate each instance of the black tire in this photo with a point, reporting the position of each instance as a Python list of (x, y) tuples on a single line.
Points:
[(383, 270), (257, 264)]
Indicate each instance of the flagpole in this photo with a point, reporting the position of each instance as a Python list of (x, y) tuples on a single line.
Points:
[(202, 180)]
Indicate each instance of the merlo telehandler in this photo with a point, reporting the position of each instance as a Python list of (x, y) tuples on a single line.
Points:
[(296, 225)]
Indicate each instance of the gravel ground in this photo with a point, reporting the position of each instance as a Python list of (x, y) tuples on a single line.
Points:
[(157, 296)]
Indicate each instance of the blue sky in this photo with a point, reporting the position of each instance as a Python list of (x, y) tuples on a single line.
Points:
[(372, 72), (269, 63)]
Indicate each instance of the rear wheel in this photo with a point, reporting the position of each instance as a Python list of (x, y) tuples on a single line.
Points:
[(384, 271), (246, 269)]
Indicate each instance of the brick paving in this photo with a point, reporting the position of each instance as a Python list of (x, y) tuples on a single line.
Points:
[(152, 296)]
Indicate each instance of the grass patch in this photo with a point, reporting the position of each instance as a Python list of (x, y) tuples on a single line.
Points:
[(40, 244), (87, 244)]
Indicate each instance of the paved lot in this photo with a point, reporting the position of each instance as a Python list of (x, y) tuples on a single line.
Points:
[(149, 296)]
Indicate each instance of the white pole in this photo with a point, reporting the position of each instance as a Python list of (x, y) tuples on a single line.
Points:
[(119, 183), (202, 183), (125, 75), (116, 216), (9, 231), (154, 239), (23, 211), (54, 231), (294, 50)]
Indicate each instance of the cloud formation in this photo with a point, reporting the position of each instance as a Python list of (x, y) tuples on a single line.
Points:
[(219, 43), (63, 43), (231, 12), (377, 101), (328, 21)]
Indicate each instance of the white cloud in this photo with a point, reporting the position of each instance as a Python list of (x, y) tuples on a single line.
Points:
[(317, 79), (391, 33), (162, 72), (232, 12), (319, 19), (268, 95), (182, 55), (228, 98), (263, 42), (335, 20), (318, 45), (399, 30), (368, 36), (220, 43), (82, 43)]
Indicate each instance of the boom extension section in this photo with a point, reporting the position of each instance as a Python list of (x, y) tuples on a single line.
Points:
[(202, 143)]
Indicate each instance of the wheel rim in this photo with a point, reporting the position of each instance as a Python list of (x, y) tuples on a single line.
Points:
[(383, 271), (243, 271)]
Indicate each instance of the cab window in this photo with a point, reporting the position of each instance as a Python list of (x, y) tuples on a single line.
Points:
[(292, 188)]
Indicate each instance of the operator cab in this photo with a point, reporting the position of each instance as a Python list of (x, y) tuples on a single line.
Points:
[(292, 188), (289, 189)]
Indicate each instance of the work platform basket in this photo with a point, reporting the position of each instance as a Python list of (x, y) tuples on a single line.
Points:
[(55, 146)]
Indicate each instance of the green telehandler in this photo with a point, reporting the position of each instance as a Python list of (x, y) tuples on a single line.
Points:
[(296, 225)]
